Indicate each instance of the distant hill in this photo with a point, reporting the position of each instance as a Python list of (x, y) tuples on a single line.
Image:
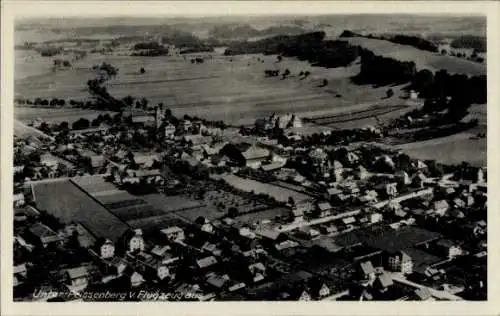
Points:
[(423, 59), (246, 31)]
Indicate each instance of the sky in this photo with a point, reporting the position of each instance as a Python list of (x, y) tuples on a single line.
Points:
[(23, 8)]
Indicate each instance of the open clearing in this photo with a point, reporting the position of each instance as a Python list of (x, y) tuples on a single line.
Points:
[(55, 115), (453, 149), (230, 88), (423, 59), (279, 193), (269, 214)]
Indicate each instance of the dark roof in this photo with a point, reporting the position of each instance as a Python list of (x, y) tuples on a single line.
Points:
[(421, 260), (43, 232), (217, 281), (393, 240)]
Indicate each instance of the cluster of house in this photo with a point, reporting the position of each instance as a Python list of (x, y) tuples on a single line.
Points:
[(345, 196)]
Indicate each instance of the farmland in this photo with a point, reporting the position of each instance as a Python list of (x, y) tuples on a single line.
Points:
[(70, 115), (453, 149), (73, 204), (422, 59), (149, 212), (229, 88)]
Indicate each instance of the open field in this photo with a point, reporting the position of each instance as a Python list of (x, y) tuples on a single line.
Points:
[(269, 214), (171, 203), (229, 88), (55, 115), (22, 130), (63, 199), (423, 59), (279, 193), (452, 149), (154, 223)]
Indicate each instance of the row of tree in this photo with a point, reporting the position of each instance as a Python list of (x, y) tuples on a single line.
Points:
[(442, 84), (415, 41), (39, 101), (462, 89), (151, 52)]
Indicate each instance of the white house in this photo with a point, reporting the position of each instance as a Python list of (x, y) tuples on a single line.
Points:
[(18, 199), (207, 227), (134, 240), (403, 177), (391, 189), (174, 233), (106, 249), (376, 217), (441, 207), (163, 272)]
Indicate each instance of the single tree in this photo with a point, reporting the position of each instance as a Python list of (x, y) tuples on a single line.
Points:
[(233, 212), (389, 93), (200, 220)]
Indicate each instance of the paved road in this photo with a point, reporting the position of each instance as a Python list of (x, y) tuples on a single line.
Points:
[(397, 277)]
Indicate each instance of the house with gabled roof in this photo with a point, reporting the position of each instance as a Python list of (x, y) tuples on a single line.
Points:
[(78, 277), (43, 235), (206, 262), (383, 282)]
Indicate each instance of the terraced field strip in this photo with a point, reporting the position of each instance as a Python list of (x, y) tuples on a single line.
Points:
[(356, 115), (121, 84)]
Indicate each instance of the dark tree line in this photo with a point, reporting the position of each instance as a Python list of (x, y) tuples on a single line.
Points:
[(409, 40), (383, 70), (197, 60), (147, 45), (152, 52), (415, 41), (470, 41), (271, 73), (310, 46), (458, 87), (49, 51), (39, 101)]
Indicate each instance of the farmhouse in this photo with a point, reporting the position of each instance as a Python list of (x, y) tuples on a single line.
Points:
[(43, 235)]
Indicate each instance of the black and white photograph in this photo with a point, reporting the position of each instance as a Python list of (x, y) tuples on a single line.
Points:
[(249, 157)]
